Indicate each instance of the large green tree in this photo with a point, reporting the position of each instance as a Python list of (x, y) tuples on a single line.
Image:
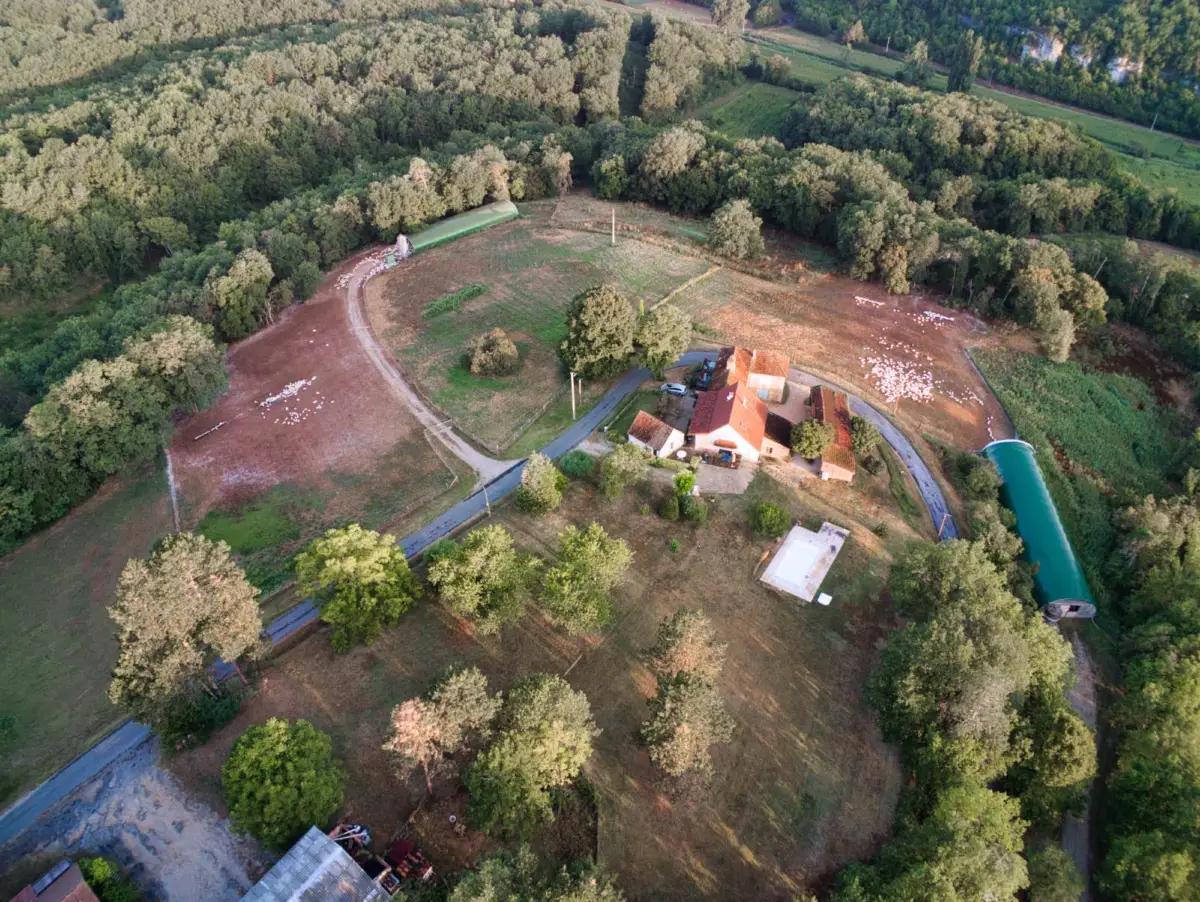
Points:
[(576, 586), (281, 778), (176, 612), (361, 582), (736, 232), (484, 578), (663, 334), (964, 62), (600, 330), (687, 717), (546, 733), (541, 488), (729, 15)]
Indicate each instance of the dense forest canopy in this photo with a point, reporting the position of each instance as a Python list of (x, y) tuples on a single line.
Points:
[(1134, 59)]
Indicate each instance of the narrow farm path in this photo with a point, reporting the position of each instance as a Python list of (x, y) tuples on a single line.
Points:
[(1076, 831), (487, 467)]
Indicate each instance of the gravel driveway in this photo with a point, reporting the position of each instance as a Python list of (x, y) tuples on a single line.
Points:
[(175, 848)]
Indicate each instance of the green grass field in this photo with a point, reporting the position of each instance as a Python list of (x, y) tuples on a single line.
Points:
[(1099, 437), (531, 271), (56, 639), (753, 110)]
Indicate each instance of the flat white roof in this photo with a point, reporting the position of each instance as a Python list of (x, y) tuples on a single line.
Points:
[(803, 560)]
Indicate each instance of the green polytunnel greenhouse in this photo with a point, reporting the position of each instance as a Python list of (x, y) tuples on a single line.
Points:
[(1059, 580), (464, 224)]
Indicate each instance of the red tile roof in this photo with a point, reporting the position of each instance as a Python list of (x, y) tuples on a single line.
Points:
[(738, 364), (734, 406), (833, 407), (650, 430)]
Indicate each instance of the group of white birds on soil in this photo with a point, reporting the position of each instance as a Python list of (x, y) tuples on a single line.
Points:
[(901, 379)]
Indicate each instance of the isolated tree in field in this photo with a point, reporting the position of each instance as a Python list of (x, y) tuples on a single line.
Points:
[(855, 34), (864, 435), (1053, 876), (575, 588), (241, 294), (484, 578), (493, 354), (621, 468), (767, 13), (360, 580), (686, 644), (769, 520), (600, 329), (663, 335), (546, 733), (426, 731), (811, 437), (281, 778), (964, 62), (182, 361), (917, 69), (687, 717), (736, 232), (729, 15), (777, 69), (176, 612), (541, 488)]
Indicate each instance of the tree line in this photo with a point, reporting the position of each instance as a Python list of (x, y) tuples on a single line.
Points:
[(972, 690), (983, 161), (1152, 839), (1163, 35), (850, 200)]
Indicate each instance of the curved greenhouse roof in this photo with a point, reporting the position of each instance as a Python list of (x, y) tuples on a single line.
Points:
[(1059, 576)]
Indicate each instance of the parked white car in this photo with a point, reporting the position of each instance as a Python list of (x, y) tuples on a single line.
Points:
[(674, 388)]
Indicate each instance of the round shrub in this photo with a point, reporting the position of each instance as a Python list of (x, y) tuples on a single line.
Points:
[(694, 510), (872, 464), (577, 464), (493, 354), (669, 508), (768, 519), (280, 779)]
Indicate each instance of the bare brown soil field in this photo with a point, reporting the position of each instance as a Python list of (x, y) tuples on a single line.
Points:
[(806, 785), (304, 408), (834, 326)]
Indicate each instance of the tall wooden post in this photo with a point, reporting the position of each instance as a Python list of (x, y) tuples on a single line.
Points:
[(572, 396), (614, 227)]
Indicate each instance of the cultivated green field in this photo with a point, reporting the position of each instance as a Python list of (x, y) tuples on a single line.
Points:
[(751, 110), (1098, 436), (56, 639), (531, 271)]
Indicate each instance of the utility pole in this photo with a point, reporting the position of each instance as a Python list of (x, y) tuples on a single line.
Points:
[(486, 503), (572, 396), (1155, 122), (614, 227), (888, 48), (942, 525)]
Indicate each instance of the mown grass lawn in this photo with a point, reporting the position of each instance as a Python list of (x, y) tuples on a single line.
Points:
[(56, 639), (752, 110)]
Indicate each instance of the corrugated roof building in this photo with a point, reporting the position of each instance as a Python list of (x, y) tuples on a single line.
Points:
[(316, 869)]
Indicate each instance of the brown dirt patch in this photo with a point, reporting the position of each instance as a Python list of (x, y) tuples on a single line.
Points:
[(1138, 355), (303, 403), (825, 330)]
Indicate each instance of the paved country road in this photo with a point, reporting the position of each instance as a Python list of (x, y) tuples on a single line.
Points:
[(130, 736)]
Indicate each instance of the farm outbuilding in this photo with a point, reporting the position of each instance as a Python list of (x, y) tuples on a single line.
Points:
[(463, 224), (1059, 581)]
